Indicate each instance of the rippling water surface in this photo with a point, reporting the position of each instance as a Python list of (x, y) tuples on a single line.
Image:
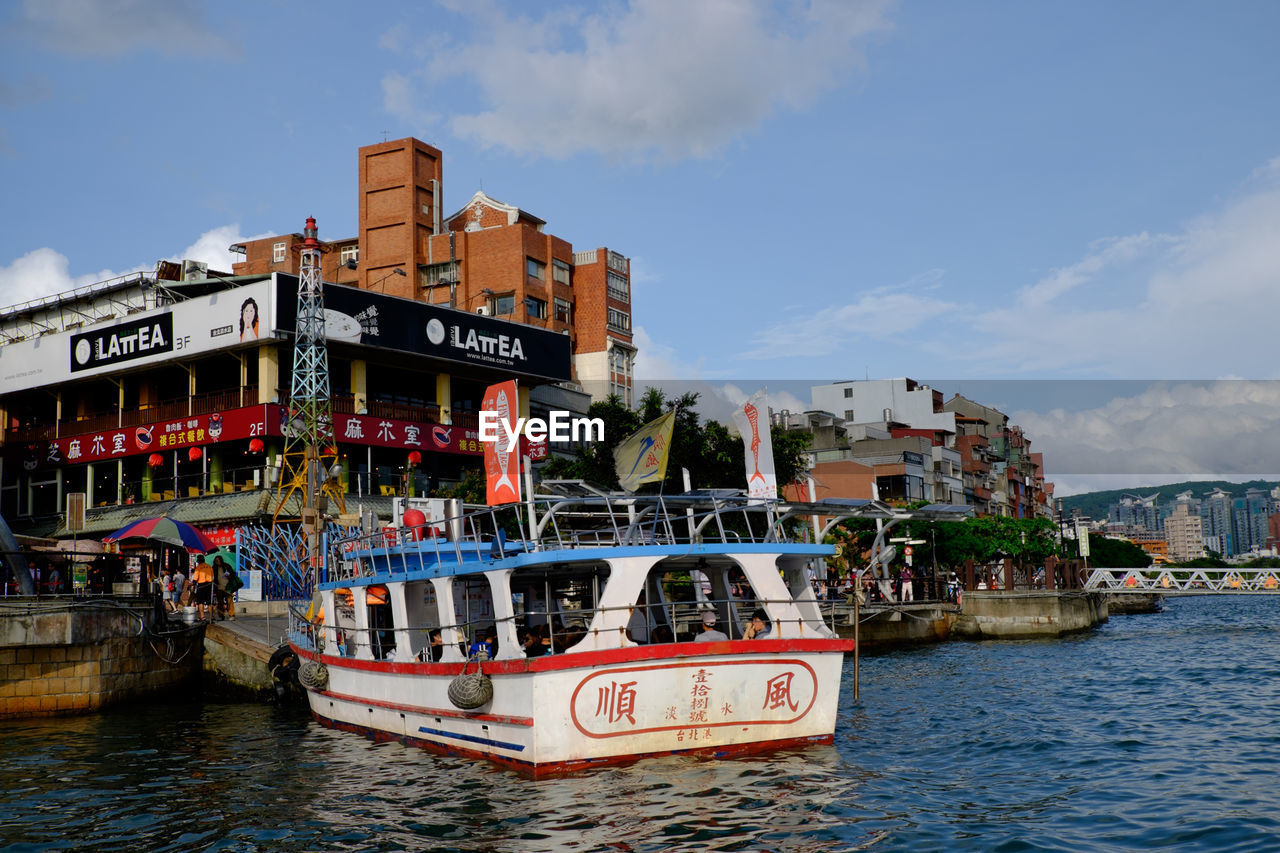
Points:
[(1153, 731)]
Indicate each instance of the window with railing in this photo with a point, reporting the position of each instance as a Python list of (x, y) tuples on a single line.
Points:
[(619, 320), (619, 287)]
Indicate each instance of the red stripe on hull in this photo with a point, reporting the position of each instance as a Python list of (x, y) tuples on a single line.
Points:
[(550, 663), (429, 712), (561, 768)]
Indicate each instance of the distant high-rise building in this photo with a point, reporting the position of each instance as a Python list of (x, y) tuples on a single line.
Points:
[(1136, 511), (1215, 522), (1182, 530)]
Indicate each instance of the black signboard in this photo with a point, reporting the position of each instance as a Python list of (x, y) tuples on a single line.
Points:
[(357, 316), (122, 342)]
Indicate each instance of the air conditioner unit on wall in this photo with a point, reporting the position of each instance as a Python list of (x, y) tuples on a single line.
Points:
[(482, 309)]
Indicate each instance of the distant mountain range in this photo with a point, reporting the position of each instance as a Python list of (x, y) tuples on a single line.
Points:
[(1096, 504)]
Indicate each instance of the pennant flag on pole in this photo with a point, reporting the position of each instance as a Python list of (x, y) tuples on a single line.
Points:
[(502, 467), (762, 481), (642, 458)]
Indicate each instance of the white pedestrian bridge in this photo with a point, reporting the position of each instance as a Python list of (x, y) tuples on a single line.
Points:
[(1174, 581)]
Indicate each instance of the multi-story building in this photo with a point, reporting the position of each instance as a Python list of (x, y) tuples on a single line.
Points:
[(1136, 511), (488, 258), (1182, 530), (1005, 464), (903, 401), (1215, 522), (1249, 516), (176, 384)]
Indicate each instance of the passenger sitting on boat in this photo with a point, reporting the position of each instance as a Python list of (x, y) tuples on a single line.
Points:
[(759, 627), (531, 643), (709, 633), (435, 647), (486, 641), (638, 624), (572, 636)]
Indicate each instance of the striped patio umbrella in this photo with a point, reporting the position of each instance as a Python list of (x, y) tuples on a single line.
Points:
[(164, 529)]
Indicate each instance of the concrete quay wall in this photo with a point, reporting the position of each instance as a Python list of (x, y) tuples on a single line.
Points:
[(995, 615), (888, 627), (57, 659)]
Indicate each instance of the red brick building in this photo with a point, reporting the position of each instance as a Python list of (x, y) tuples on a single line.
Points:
[(488, 257)]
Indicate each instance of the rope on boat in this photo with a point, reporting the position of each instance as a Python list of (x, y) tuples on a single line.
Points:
[(313, 675), (470, 690)]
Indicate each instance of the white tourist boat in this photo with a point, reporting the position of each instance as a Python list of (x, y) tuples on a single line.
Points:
[(593, 656)]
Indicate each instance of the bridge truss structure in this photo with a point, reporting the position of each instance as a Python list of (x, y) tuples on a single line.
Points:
[(1169, 581)]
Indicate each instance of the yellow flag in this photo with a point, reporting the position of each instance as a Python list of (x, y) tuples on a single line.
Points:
[(642, 458)]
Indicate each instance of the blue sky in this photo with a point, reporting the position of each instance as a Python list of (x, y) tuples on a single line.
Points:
[(997, 190)]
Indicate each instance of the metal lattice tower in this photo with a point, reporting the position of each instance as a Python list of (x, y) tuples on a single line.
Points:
[(308, 485)]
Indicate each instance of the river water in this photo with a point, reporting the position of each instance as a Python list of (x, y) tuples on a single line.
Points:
[(1153, 731)]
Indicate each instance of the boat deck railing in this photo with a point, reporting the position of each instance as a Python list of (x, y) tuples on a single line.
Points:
[(571, 514)]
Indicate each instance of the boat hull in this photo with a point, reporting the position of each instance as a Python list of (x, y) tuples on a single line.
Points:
[(563, 713)]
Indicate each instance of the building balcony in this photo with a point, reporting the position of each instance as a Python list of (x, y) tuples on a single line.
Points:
[(198, 404)]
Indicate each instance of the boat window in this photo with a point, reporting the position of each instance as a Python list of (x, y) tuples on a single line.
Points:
[(382, 637), (678, 596), (345, 620), (473, 609), (554, 606)]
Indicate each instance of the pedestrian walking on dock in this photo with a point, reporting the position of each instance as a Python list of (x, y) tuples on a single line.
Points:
[(220, 579), (179, 585), (202, 578), (233, 584)]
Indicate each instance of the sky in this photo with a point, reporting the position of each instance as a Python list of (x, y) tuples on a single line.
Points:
[(1060, 197)]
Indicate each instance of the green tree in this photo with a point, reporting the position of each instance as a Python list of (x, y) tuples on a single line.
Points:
[(1116, 553)]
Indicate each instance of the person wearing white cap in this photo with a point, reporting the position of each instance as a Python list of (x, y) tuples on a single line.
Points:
[(709, 633)]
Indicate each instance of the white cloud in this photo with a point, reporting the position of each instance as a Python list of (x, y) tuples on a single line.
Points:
[(733, 396), (652, 77), (115, 27), (1198, 303), (883, 314), (1168, 432), (656, 361), (1107, 254), (45, 272), (211, 247)]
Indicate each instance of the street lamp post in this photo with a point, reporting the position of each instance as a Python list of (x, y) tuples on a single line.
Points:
[(396, 271)]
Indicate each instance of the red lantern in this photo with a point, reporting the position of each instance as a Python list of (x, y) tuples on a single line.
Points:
[(414, 519), (256, 445), (414, 457), (194, 454), (155, 460)]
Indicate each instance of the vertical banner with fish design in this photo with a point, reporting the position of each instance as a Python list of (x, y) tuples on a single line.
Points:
[(752, 420), (502, 466)]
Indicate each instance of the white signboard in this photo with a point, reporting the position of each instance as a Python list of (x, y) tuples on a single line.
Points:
[(229, 318), (252, 589), (1082, 537)]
